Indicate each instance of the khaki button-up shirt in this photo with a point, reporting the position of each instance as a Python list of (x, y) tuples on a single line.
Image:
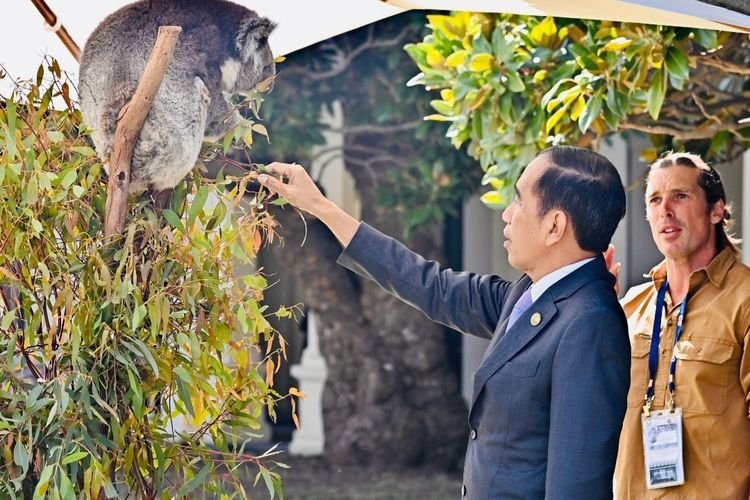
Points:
[(712, 382)]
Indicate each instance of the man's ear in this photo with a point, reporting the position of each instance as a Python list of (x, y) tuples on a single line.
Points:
[(556, 222), (717, 212)]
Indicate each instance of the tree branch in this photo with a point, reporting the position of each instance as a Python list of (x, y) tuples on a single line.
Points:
[(344, 63), (726, 66), (378, 129), (698, 131), (131, 119), (54, 24)]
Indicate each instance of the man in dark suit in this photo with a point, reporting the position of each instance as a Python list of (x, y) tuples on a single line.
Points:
[(550, 393)]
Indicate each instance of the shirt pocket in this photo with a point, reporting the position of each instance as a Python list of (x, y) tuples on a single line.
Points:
[(702, 374), (640, 343)]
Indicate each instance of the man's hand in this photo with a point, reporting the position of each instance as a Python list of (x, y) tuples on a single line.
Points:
[(292, 182), (300, 190), (614, 267)]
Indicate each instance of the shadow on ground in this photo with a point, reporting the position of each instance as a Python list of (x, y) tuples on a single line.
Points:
[(315, 479)]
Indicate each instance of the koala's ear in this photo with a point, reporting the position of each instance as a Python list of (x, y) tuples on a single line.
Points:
[(252, 34)]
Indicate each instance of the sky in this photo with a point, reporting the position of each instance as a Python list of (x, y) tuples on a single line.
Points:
[(24, 40)]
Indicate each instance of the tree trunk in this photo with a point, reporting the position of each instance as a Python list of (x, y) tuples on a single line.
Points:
[(391, 398)]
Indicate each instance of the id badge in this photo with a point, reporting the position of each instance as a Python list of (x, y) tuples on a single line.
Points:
[(662, 448)]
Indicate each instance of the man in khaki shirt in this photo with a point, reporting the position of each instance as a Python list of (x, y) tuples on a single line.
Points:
[(686, 209)]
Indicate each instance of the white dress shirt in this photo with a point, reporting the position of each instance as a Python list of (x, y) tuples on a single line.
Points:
[(541, 286)]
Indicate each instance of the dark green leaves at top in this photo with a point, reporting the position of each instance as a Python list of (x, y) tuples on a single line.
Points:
[(706, 38), (677, 63)]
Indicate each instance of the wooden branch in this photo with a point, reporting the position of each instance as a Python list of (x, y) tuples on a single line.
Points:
[(54, 24), (130, 122), (725, 66), (697, 131)]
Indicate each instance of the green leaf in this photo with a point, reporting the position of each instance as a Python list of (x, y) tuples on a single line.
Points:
[(195, 482), (74, 457), (67, 490), (10, 134), (136, 394), (706, 38), (43, 484), (590, 112), (67, 177), (7, 320), (139, 314), (617, 101), (677, 63), (174, 220), (83, 151), (719, 140), (656, 94), (144, 351), (196, 206), (227, 142), (268, 479), (500, 46), (21, 456), (515, 84), (442, 107)]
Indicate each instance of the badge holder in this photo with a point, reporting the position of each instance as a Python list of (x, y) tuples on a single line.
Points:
[(662, 445)]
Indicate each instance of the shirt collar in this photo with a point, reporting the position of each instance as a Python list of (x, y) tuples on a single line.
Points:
[(715, 271), (541, 285)]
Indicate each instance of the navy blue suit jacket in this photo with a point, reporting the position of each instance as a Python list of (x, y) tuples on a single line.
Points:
[(549, 398)]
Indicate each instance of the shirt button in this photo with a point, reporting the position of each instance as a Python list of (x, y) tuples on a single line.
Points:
[(473, 434), (463, 490), (669, 322)]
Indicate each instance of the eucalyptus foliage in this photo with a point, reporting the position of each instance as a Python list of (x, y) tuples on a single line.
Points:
[(108, 346), (512, 85)]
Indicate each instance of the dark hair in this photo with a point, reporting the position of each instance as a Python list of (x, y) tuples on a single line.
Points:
[(587, 187), (709, 181)]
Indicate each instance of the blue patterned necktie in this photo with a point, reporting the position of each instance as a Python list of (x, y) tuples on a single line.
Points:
[(518, 309)]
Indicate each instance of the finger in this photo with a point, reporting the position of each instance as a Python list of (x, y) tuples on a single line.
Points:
[(271, 183), (279, 169), (615, 269)]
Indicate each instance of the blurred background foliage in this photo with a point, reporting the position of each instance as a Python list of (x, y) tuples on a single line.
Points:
[(511, 85)]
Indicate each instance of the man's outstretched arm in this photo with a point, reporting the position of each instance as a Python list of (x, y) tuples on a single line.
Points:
[(295, 186)]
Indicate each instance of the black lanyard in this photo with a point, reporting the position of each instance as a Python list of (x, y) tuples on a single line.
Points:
[(653, 355)]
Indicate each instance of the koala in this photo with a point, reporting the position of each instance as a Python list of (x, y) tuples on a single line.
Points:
[(223, 48)]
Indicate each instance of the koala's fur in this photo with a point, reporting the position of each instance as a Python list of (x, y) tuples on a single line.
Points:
[(223, 47)]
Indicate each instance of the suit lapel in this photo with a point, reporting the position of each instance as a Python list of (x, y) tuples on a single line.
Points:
[(514, 340), (505, 345), (519, 287)]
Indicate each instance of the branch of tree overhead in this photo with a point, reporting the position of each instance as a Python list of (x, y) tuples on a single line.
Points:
[(342, 65)]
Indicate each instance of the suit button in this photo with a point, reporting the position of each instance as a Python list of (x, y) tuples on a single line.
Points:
[(463, 490), (473, 434)]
